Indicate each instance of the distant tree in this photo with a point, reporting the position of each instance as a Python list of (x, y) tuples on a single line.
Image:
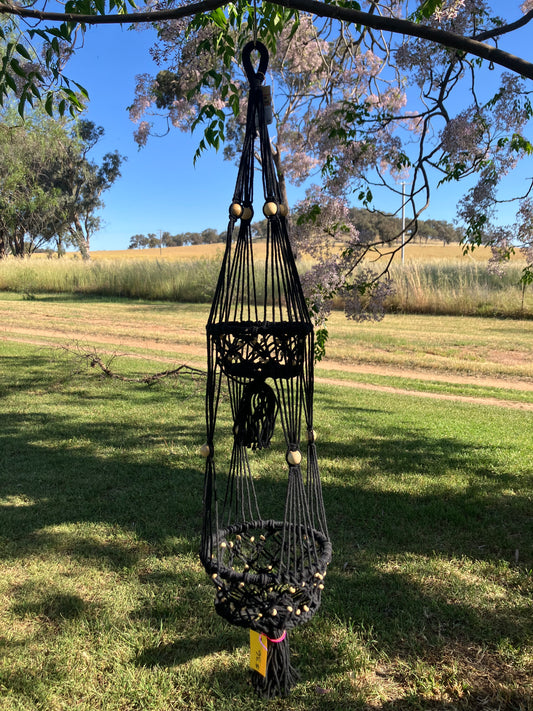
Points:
[(166, 239), (209, 236), (83, 182), (137, 242), (153, 240), (259, 229), (441, 230), (375, 225)]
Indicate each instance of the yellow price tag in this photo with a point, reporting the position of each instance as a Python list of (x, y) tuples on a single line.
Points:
[(258, 652)]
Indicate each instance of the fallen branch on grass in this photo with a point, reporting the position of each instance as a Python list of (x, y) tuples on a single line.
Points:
[(90, 357)]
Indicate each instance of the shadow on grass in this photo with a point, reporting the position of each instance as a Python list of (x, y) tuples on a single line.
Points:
[(62, 468)]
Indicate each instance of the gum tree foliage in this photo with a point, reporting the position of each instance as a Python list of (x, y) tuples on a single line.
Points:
[(82, 183), (50, 191), (29, 204), (367, 95)]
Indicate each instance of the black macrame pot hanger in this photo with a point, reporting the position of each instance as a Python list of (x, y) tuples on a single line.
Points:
[(268, 571)]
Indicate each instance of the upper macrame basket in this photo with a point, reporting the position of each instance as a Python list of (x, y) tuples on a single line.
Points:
[(268, 572)]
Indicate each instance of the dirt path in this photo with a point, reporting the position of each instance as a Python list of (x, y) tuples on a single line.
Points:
[(512, 404), (194, 353)]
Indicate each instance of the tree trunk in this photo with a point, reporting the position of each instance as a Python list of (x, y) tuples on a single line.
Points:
[(82, 242), (16, 242), (281, 176)]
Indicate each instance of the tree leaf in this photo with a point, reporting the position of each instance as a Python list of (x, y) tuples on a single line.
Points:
[(15, 66), (427, 9), (21, 49), (49, 104)]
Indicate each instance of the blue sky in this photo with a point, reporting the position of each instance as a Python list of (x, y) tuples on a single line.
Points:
[(160, 188)]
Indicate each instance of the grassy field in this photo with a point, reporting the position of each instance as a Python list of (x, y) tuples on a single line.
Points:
[(473, 347), (103, 603), (412, 252), (426, 283)]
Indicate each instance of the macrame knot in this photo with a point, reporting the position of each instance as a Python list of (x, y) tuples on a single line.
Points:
[(256, 416)]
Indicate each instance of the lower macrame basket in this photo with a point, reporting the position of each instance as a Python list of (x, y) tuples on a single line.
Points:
[(258, 588)]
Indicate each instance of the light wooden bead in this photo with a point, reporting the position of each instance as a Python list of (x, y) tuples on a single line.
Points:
[(235, 210), (283, 210), (247, 213), (205, 451), (270, 209), (294, 457), (311, 436)]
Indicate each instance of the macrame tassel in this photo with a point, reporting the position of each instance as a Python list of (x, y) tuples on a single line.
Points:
[(280, 676), (256, 416)]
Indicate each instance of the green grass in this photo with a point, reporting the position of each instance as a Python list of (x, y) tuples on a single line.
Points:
[(470, 390), (104, 605), (445, 344)]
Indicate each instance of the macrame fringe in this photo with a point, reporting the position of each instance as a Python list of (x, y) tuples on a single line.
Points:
[(280, 676)]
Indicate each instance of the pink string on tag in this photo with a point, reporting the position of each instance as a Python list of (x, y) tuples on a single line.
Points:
[(279, 639)]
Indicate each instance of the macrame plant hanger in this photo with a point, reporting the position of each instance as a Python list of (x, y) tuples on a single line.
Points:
[(268, 573)]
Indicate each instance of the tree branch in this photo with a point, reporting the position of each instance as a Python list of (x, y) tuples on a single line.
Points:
[(92, 359), (504, 29), (366, 19), (412, 29), (195, 8)]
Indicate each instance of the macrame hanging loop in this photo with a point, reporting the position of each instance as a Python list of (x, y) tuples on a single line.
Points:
[(268, 568), (255, 78)]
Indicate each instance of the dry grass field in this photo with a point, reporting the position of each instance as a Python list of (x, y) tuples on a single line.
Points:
[(209, 251)]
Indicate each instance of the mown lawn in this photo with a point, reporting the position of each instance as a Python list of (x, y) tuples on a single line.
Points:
[(104, 605)]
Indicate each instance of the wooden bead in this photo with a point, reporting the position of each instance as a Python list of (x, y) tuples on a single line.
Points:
[(205, 450), (235, 210), (270, 209), (311, 436), (294, 457), (247, 213), (283, 210)]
